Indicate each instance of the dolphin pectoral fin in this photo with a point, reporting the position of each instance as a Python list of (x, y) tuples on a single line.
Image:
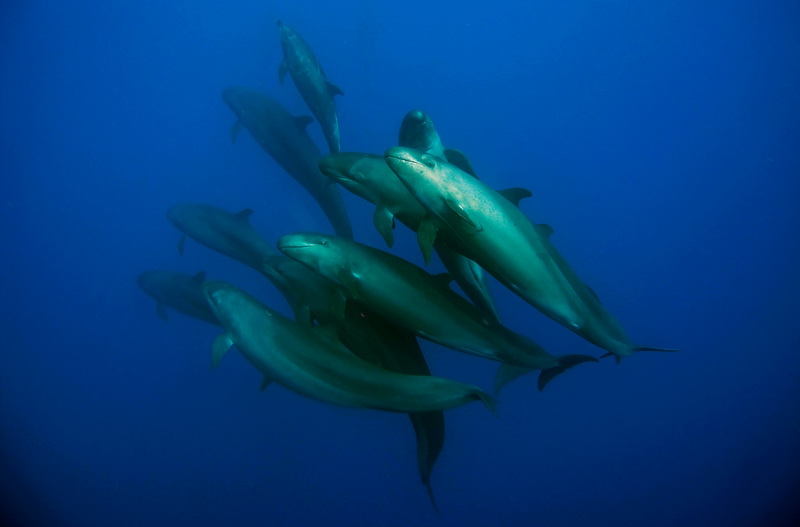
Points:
[(489, 401), (565, 362), (303, 121), (350, 284), (282, 70), (426, 235), (161, 310), (430, 495), (181, 244), (515, 194), (333, 89), (544, 230), (383, 219), (507, 373), (457, 158), (265, 382), (235, 130), (221, 346), (463, 214)]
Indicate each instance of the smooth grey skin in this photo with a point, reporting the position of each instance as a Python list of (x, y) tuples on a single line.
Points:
[(419, 302), (313, 363), (181, 292), (369, 177), (312, 83), (495, 233), (284, 137)]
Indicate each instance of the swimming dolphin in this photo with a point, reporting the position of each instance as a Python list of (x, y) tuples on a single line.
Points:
[(284, 137), (312, 362), (493, 231), (312, 83), (181, 292), (397, 290), (369, 177)]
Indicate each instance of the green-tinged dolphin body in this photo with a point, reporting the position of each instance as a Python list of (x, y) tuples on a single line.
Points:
[(420, 302), (369, 177), (312, 83), (493, 231), (312, 362), (179, 291), (284, 137)]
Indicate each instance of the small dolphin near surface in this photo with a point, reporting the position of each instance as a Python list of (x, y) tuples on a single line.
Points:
[(493, 231), (181, 292), (284, 137), (312, 362), (422, 303), (312, 83)]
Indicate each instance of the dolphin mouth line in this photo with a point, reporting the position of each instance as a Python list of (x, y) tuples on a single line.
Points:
[(298, 246), (405, 160)]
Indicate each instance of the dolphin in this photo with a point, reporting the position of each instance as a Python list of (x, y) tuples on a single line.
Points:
[(312, 83), (313, 363), (378, 341), (396, 289), (221, 231), (181, 292), (284, 137), (493, 231), (369, 177)]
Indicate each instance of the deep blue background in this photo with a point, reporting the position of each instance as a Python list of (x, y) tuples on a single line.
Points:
[(660, 141)]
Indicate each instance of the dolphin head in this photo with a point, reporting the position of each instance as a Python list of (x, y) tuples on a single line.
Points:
[(319, 252), (224, 300), (238, 98), (423, 174), (339, 168), (287, 33), (187, 214), (417, 131)]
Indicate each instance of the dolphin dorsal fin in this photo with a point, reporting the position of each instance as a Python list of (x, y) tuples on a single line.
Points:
[(515, 194), (244, 215), (302, 121), (459, 160), (333, 89), (200, 277)]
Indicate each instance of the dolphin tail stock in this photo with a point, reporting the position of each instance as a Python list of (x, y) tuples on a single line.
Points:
[(507, 373), (565, 362)]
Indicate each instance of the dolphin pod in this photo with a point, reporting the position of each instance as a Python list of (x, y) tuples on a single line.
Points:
[(359, 312)]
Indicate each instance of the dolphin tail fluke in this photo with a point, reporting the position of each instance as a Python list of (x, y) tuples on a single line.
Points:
[(565, 362), (427, 484), (507, 373)]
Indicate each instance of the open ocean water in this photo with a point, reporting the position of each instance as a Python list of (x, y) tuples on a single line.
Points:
[(661, 140)]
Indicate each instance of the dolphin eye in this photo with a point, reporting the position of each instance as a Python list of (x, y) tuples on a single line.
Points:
[(428, 161)]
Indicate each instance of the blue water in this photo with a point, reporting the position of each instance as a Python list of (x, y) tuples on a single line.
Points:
[(660, 140)]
